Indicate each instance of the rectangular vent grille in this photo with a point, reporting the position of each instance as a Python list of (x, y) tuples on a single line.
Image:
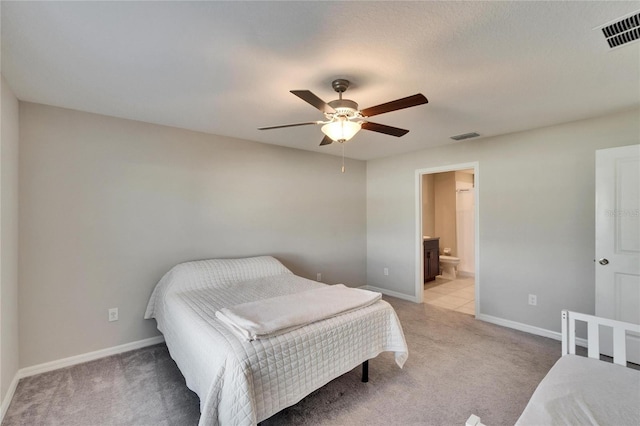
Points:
[(465, 136), (623, 31)]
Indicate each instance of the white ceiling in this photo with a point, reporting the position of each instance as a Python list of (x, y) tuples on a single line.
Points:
[(227, 67)]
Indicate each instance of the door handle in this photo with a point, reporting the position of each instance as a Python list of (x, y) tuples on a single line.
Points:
[(603, 261)]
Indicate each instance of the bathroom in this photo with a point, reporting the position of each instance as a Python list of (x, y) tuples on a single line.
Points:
[(448, 214)]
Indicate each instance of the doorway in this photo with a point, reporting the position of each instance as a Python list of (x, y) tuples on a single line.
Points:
[(457, 231)]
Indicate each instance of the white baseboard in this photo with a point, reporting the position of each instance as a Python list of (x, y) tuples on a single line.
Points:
[(528, 328), (390, 293), (89, 356), (9, 396)]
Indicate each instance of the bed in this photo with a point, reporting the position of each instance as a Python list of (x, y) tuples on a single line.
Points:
[(243, 382), (582, 390)]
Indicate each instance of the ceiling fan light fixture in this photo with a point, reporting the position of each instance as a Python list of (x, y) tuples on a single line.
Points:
[(343, 117), (341, 130)]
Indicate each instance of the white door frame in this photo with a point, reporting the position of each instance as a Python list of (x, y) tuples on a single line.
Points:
[(419, 298)]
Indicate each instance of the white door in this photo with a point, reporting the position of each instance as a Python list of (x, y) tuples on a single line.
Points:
[(618, 241)]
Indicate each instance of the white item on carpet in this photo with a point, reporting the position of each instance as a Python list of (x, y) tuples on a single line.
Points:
[(266, 318), (473, 420), (243, 382)]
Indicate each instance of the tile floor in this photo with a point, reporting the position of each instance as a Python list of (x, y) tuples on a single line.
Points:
[(458, 295)]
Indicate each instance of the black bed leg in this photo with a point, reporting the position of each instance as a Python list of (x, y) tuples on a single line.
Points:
[(365, 371)]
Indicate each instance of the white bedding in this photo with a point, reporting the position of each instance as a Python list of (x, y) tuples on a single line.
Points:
[(585, 391), (243, 382)]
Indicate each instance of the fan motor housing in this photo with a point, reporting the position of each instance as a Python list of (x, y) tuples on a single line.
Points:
[(345, 108)]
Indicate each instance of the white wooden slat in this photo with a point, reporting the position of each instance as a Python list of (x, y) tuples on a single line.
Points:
[(565, 342), (572, 335), (619, 347), (593, 339)]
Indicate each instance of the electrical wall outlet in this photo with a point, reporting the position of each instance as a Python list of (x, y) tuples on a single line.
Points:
[(533, 300), (319, 277), (113, 314), (386, 271)]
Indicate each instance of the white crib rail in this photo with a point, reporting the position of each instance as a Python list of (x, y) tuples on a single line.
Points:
[(620, 330)]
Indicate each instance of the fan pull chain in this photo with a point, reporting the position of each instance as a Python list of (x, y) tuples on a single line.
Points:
[(342, 157)]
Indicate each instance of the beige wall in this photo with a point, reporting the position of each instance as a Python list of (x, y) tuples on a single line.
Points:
[(439, 206), (428, 207), (464, 177), (536, 216), (445, 210), (9, 361), (107, 206)]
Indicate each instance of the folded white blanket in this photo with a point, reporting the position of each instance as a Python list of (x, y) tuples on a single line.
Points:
[(270, 317)]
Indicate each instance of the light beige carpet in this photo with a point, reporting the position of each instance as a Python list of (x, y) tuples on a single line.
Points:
[(457, 366)]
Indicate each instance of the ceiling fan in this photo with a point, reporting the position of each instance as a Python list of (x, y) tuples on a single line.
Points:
[(344, 119)]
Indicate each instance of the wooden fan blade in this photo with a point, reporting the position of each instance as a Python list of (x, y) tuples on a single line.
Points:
[(408, 102), (290, 125), (381, 128), (326, 141), (312, 100)]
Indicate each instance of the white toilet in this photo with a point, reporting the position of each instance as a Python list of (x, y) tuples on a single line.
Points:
[(448, 264)]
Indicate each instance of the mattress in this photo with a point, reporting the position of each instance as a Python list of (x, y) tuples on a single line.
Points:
[(585, 391), (243, 382)]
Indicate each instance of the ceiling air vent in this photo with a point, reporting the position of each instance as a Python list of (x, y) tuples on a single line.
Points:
[(622, 31), (465, 136)]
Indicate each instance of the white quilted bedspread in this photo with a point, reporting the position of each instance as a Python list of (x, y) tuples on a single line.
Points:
[(243, 382)]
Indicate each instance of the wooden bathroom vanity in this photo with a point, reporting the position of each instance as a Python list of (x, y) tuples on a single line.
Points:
[(431, 248)]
